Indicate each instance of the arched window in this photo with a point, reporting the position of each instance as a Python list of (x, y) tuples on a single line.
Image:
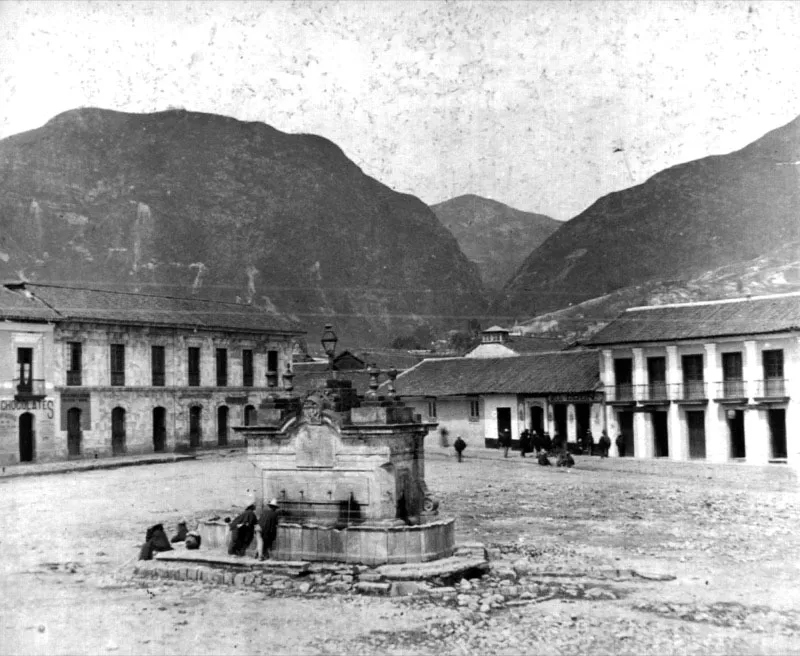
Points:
[(195, 425), (74, 433), (118, 431), (222, 425), (27, 437), (159, 429)]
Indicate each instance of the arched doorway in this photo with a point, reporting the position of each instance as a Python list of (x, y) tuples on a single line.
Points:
[(159, 429), (74, 434), (195, 425), (222, 425), (118, 431), (27, 438), (249, 415)]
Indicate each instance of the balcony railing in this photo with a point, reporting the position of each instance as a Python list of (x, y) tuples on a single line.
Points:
[(75, 378), (771, 388), (692, 390), (159, 379), (730, 389), (194, 379), (654, 392), (29, 387), (118, 378)]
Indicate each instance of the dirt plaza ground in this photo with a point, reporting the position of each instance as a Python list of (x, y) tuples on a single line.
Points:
[(612, 557)]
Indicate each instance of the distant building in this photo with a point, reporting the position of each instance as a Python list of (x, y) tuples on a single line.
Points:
[(87, 373), (497, 343), (714, 381), (478, 397)]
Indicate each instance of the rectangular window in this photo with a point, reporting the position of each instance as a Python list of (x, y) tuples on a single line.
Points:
[(25, 369), (272, 368), (623, 379), (694, 387), (157, 366), (74, 363), (247, 368), (772, 362), (657, 378), (732, 383), (431, 407), (222, 367), (474, 409), (118, 364), (194, 366)]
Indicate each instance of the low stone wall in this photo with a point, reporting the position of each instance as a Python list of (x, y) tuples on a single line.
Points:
[(367, 545)]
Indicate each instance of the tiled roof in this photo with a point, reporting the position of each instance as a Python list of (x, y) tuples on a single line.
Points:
[(542, 373), (664, 323), (38, 302), (311, 380)]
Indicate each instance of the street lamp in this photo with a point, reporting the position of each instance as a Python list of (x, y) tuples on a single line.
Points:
[(329, 341)]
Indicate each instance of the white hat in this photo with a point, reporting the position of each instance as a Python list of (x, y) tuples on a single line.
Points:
[(273, 503)]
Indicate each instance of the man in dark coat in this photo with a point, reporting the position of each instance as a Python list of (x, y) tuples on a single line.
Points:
[(459, 445), (620, 445), (604, 444), (505, 441), (155, 540), (524, 442), (547, 443), (242, 531), (269, 528)]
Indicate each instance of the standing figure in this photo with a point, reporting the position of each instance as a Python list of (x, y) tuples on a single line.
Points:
[(620, 441), (605, 444), (536, 441), (242, 530), (269, 528), (505, 441), (547, 443), (559, 443), (524, 442), (588, 442), (459, 445)]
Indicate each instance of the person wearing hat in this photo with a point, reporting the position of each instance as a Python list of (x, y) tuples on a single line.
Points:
[(242, 530), (269, 528)]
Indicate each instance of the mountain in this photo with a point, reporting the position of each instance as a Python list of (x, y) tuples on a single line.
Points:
[(683, 221), (188, 203), (776, 272), (494, 236)]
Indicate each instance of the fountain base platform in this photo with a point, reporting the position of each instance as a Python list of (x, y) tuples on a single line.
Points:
[(371, 545)]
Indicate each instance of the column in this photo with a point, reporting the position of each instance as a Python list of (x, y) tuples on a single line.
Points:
[(608, 416), (792, 372), (571, 427), (756, 433), (678, 442), (642, 437), (716, 428)]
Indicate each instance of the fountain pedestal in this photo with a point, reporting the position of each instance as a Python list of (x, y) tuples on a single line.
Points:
[(349, 477)]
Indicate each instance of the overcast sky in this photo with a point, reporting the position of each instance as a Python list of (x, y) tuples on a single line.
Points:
[(545, 106)]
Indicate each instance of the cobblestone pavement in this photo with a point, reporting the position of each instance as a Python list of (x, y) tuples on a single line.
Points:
[(611, 557)]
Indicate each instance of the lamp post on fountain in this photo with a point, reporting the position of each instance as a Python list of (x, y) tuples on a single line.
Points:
[(329, 341)]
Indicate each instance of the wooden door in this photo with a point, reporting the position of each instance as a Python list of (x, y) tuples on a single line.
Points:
[(27, 438), (696, 421), (118, 431), (74, 433)]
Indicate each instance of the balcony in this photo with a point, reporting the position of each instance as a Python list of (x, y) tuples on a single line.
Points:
[(158, 379), (29, 389), (692, 391), (620, 394), (730, 391), (75, 378), (118, 378), (654, 392), (771, 389)]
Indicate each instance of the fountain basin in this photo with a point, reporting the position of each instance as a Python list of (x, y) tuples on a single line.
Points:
[(363, 544)]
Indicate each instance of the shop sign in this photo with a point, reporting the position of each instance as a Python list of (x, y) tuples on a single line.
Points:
[(46, 405), (580, 397)]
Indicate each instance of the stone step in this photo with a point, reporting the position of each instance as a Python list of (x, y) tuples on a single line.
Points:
[(444, 567), (200, 557)]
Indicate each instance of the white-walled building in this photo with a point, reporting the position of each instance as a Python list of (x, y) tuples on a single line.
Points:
[(87, 373), (715, 380), (554, 392)]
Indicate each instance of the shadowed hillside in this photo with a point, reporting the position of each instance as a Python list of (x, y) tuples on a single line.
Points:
[(187, 203)]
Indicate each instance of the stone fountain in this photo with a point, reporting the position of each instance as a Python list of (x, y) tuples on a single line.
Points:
[(349, 475)]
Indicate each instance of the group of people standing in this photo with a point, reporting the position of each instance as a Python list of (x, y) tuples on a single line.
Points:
[(248, 525)]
